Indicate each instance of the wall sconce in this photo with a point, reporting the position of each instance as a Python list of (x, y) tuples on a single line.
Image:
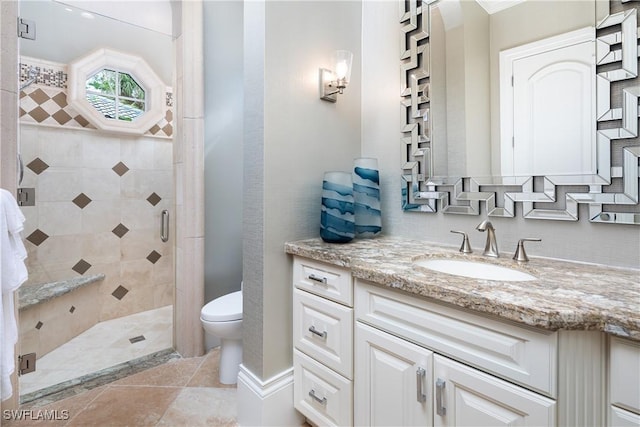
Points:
[(333, 83)]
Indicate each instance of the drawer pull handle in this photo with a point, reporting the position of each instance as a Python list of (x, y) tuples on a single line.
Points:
[(440, 409), (318, 279), (313, 395), (420, 396), (314, 331)]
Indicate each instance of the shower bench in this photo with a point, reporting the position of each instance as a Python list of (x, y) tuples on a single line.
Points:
[(50, 314)]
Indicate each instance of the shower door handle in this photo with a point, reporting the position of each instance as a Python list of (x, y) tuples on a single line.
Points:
[(20, 169), (164, 226)]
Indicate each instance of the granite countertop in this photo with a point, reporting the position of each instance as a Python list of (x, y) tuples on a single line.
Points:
[(565, 295)]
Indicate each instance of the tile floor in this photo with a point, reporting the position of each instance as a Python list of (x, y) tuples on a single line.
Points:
[(102, 346), (182, 392)]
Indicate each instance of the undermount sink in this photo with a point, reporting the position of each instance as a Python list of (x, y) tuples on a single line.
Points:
[(474, 270)]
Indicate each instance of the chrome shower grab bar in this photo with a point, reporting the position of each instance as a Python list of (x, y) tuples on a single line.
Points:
[(164, 226)]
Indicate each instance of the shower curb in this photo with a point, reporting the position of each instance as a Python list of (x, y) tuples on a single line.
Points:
[(87, 382)]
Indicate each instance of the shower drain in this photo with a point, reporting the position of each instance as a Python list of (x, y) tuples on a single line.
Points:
[(137, 339)]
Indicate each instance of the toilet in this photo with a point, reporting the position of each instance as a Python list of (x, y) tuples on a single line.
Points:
[(222, 318)]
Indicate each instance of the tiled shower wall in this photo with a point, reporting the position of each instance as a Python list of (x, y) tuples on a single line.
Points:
[(99, 199)]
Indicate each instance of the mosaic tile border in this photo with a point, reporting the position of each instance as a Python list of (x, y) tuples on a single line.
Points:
[(423, 193), (44, 102)]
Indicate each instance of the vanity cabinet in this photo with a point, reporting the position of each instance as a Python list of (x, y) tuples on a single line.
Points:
[(405, 374), (323, 342), (378, 353), (624, 383)]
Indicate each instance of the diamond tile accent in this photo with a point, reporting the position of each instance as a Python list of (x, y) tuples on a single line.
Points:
[(49, 105), (153, 257), (154, 199), (120, 292), (39, 96), (72, 309), (39, 114), (39, 325), (137, 339), (60, 99), (120, 230), (81, 267), (120, 168), (61, 117), (37, 165), (81, 121), (81, 200), (37, 237)]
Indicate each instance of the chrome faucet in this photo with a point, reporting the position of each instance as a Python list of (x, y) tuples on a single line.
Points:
[(491, 247)]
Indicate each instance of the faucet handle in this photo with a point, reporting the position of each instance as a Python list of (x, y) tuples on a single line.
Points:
[(521, 255), (465, 248)]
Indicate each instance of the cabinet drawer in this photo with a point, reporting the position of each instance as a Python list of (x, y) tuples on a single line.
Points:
[(517, 353), (320, 394), (322, 279), (624, 374), (323, 330)]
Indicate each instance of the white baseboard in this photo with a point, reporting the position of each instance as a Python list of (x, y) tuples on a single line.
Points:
[(266, 403)]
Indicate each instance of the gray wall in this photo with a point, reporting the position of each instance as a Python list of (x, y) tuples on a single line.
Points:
[(291, 137), (612, 244), (223, 146)]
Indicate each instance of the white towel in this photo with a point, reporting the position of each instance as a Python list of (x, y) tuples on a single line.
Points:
[(13, 273)]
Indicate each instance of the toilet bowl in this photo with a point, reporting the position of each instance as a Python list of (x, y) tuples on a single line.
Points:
[(222, 318)]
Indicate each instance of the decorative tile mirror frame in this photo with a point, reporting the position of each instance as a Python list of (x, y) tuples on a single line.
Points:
[(608, 190)]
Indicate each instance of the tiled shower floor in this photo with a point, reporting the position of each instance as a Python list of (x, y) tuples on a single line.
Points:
[(103, 346)]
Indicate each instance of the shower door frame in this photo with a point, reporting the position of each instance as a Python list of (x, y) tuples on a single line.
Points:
[(188, 167)]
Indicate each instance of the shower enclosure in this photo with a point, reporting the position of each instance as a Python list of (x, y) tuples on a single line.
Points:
[(97, 201)]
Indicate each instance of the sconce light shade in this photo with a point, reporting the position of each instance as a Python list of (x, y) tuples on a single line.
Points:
[(333, 83), (343, 60)]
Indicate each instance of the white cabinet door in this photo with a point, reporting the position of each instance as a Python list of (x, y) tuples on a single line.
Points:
[(393, 380), (624, 374), (621, 418), (464, 396)]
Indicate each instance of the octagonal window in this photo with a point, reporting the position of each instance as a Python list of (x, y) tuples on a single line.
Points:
[(116, 95), (116, 91)]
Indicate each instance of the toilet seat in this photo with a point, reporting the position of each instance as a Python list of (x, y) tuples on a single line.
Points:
[(223, 309)]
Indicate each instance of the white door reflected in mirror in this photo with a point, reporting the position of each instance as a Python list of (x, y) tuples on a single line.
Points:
[(548, 124)]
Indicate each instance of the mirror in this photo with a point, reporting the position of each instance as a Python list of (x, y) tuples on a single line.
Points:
[(511, 98), (471, 132)]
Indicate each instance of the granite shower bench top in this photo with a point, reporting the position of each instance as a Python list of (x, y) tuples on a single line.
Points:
[(565, 295), (30, 295)]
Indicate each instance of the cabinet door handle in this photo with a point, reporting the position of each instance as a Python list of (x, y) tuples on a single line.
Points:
[(420, 395), (317, 278), (316, 332), (440, 409), (313, 395)]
